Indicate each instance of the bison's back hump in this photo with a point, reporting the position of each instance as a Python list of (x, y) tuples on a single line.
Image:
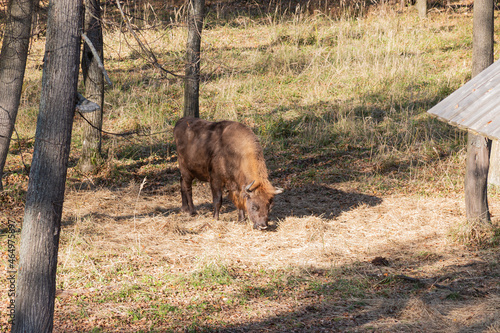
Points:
[(224, 137)]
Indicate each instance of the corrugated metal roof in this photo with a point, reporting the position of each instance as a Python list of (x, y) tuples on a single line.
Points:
[(476, 105)]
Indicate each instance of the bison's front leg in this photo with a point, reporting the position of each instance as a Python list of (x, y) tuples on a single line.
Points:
[(187, 195), (241, 215), (216, 187)]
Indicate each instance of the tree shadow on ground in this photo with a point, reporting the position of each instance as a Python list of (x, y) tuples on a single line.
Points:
[(356, 297), (153, 162), (318, 200), (364, 298), (311, 200)]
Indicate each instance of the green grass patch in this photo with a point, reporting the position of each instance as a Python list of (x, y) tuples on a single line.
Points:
[(209, 275)]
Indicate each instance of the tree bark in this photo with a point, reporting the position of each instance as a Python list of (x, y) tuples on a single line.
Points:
[(478, 147), (422, 8), (192, 78), (94, 87), (494, 171), (476, 178), (35, 292), (12, 66), (402, 4), (482, 35)]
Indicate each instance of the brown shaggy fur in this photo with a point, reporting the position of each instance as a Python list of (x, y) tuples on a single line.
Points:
[(228, 155)]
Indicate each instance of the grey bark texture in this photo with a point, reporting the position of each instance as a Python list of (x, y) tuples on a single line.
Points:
[(93, 79), (494, 172), (36, 283), (192, 78), (422, 8), (482, 35), (478, 147), (12, 66)]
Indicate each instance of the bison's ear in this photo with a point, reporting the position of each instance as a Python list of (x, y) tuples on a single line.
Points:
[(278, 190)]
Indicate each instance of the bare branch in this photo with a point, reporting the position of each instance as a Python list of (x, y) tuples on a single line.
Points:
[(96, 55), (151, 56)]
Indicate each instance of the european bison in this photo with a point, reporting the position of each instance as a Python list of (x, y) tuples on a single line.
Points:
[(226, 154)]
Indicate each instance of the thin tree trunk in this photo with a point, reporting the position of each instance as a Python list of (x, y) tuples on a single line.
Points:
[(494, 172), (192, 79), (422, 8), (482, 35), (484, 53), (478, 147), (35, 292), (12, 66), (94, 87)]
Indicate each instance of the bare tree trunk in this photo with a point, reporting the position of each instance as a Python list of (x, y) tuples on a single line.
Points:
[(494, 172), (35, 294), (12, 66), (482, 35), (192, 79), (485, 56), (478, 147), (94, 87), (422, 8), (476, 178)]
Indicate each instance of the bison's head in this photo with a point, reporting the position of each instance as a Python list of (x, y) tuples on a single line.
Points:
[(259, 200)]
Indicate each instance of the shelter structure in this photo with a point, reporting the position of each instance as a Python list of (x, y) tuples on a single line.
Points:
[(476, 105)]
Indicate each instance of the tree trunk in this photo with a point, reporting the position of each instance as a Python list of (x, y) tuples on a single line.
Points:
[(192, 79), (478, 147), (485, 56), (494, 172), (35, 294), (482, 35), (476, 178), (94, 87), (12, 65), (422, 8)]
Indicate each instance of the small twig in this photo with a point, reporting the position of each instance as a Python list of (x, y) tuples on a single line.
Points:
[(123, 134), (96, 55), (138, 239), (105, 132), (415, 280)]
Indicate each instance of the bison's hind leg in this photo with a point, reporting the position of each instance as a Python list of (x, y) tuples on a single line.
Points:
[(187, 195)]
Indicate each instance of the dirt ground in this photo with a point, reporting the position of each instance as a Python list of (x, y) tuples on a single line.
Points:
[(433, 284), (334, 259)]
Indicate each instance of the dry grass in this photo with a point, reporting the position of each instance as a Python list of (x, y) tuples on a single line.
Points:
[(339, 106), (321, 241), (140, 244), (475, 233)]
